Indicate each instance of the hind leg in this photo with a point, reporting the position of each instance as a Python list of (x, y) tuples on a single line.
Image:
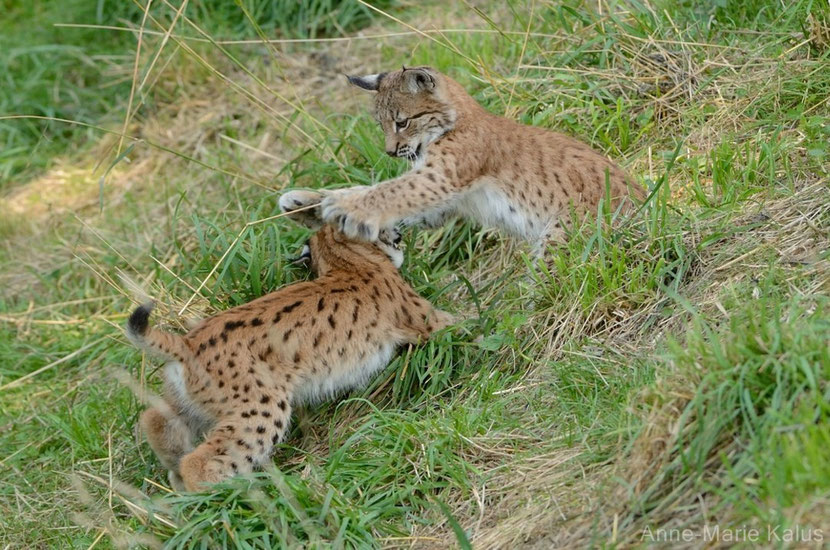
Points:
[(237, 444), (170, 439)]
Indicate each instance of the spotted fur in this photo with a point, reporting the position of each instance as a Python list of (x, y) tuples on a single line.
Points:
[(471, 163), (234, 379)]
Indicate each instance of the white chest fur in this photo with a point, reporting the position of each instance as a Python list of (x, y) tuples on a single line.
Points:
[(489, 206), (344, 377)]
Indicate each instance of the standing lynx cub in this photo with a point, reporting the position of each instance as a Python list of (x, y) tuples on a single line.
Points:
[(236, 376), (471, 163)]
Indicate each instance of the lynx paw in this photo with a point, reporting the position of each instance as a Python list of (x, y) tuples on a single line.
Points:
[(198, 472), (346, 209), (443, 319), (176, 481)]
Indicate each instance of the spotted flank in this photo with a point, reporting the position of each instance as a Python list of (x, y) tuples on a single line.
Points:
[(233, 380), (468, 162)]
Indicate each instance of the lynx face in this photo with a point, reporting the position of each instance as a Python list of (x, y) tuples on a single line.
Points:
[(411, 107), (320, 248), (327, 248)]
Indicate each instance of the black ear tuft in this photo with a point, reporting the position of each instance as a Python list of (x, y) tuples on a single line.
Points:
[(370, 82)]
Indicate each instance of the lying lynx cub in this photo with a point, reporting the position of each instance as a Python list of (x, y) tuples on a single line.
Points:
[(471, 163), (235, 377)]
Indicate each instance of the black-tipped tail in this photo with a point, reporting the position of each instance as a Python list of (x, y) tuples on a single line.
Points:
[(160, 342), (139, 320)]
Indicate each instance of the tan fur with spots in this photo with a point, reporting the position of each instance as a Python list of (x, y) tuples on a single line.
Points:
[(233, 380), (469, 162)]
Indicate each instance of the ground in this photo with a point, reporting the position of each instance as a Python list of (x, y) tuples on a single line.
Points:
[(664, 372)]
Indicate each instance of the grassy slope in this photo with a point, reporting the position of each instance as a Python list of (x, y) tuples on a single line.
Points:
[(672, 372)]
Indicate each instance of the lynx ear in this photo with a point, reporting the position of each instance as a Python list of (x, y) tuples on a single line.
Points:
[(307, 205), (369, 82), (417, 80)]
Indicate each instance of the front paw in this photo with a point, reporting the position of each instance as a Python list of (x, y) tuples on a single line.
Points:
[(443, 319), (176, 481), (345, 210)]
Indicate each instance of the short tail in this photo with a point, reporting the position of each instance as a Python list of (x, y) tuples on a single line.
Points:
[(166, 344)]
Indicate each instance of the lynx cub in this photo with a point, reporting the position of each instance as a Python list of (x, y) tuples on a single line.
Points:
[(235, 377), (469, 162)]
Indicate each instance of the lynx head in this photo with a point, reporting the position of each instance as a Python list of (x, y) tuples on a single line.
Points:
[(329, 248), (412, 106)]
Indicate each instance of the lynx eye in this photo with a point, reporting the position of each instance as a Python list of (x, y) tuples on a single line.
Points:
[(401, 124)]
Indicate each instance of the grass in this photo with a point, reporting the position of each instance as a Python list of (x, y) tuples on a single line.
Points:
[(667, 371)]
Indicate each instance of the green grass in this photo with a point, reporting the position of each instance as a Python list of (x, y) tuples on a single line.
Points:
[(669, 370), (78, 73)]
